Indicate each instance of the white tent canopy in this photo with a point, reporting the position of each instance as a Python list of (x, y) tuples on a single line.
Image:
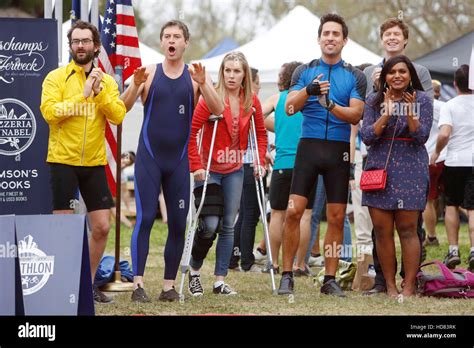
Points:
[(294, 38), (148, 54)]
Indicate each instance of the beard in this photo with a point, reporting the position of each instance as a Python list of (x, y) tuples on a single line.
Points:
[(88, 57)]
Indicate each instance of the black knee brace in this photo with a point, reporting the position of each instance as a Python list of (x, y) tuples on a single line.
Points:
[(214, 201), (213, 206), (203, 240)]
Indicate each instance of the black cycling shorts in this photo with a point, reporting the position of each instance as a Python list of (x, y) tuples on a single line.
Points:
[(91, 181), (280, 190), (328, 158)]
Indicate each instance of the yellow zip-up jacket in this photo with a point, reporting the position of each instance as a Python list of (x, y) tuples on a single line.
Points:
[(77, 124)]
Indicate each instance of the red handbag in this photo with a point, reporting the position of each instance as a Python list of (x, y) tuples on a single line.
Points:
[(375, 180)]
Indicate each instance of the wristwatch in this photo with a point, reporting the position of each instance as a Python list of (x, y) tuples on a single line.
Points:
[(331, 105)]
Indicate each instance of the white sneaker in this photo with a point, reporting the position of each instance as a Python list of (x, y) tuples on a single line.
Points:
[(316, 261), (224, 289), (259, 257)]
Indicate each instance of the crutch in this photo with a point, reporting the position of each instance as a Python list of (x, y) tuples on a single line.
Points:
[(261, 200), (188, 245)]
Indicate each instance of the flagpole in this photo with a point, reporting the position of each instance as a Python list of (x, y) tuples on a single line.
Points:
[(117, 285)]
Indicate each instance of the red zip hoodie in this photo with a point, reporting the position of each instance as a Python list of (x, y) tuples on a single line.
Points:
[(223, 139)]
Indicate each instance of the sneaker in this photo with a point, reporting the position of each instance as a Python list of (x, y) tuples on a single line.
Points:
[(431, 242), (254, 269), (195, 286), (170, 295), (223, 289), (452, 259), (470, 262), (377, 289), (287, 285), (331, 287), (276, 270), (139, 295), (260, 256), (303, 273), (100, 297), (317, 261)]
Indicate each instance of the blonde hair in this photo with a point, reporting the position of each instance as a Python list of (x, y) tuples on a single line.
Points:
[(246, 92)]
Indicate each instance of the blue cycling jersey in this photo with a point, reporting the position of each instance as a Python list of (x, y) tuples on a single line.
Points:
[(346, 82)]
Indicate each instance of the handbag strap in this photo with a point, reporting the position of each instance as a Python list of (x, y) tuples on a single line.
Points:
[(390, 149)]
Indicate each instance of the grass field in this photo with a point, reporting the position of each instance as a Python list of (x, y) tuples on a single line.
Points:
[(254, 290)]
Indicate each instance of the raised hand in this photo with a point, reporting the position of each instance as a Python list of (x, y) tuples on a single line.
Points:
[(317, 87), (388, 104), (140, 76), (198, 73), (409, 100), (96, 75)]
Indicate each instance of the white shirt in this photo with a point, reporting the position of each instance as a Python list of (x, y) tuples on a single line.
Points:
[(431, 143), (459, 114)]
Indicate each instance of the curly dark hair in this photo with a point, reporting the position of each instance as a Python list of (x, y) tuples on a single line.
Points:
[(284, 78), (86, 25)]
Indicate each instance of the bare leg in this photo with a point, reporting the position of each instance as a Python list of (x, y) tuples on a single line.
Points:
[(471, 226), (451, 221), (262, 245), (315, 249), (99, 221), (164, 214), (291, 231), (334, 236), (406, 222), (383, 221), (305, 236), (276, 232), (430, 218)]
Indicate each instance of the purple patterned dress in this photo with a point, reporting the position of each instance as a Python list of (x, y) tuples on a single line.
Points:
[(407, 171)]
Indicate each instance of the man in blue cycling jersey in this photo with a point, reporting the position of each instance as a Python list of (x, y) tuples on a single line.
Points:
[(330, 94)]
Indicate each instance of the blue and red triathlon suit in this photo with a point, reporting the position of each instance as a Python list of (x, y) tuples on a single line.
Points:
[(162, 161)]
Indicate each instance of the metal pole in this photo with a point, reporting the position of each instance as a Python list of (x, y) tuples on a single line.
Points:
[(95, 13), (48, 9), (261, 200), (117, 284), (85, 10), (58, 13)]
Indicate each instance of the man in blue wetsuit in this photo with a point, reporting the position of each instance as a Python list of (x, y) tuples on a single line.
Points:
[(330, 94), (169, 92)]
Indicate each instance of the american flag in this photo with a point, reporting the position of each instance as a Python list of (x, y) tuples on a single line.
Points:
[(119, 48)]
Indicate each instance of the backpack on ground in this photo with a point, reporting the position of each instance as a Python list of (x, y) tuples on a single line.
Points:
[(435, 279)]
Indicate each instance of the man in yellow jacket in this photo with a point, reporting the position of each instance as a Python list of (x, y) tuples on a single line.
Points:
[(76, 101)]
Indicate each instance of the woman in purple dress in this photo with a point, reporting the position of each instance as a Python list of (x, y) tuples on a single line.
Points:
[(399, 117)]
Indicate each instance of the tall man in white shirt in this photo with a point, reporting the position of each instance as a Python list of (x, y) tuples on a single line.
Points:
[(456, 130)]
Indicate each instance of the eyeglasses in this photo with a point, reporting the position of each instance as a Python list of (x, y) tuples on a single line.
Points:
[(85, 42)]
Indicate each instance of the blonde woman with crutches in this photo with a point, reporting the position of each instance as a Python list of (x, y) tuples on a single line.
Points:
[(226, 171)]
